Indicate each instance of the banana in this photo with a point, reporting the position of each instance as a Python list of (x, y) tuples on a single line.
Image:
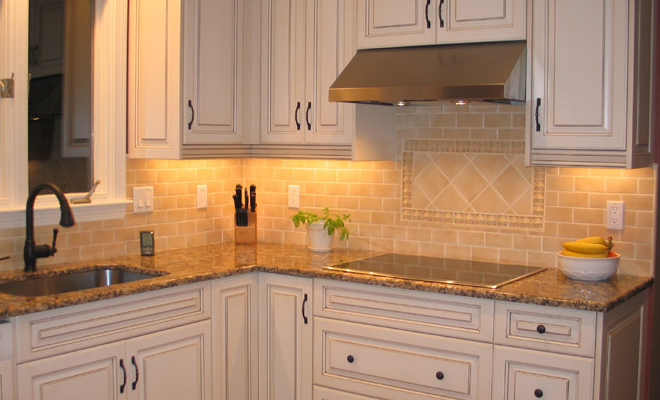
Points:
[(589, 248), (593, 239), (586, 255)]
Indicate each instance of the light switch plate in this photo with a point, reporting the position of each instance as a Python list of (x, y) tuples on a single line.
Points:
[(202, 196), (143, 199)]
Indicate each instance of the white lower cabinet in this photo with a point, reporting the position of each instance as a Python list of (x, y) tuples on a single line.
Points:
[(6, 380), (528, 374), (235, 338), (397, 364), (285, 337), (169, 365)]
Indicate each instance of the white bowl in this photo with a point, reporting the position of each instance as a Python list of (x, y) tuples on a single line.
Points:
[(588, 269)]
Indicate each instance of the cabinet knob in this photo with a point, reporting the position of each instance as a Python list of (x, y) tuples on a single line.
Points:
[(350, 358), (440, 375), (538, 393), (540, 329)]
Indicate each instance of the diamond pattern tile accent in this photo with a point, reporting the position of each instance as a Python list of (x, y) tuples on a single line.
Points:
[(477, 182)]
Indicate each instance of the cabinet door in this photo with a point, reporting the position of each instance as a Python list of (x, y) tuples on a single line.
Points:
[(154, 78), (235, 338), (283, 71), (480, 20), (6, 380), (213, 71), (46, 41), (329, 47), (285, 337), (171, 365), (390, 23), (579, 74), (91, 374), (527, 374)]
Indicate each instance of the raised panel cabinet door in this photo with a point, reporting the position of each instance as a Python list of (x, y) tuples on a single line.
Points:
[(528, 374), (579, 74), (7, 380), (154, 78), (390, 23), (285, 337), (213, 71), (321, 393), (91, 374), (171, 365), (283, 71), (480, 20), (330, 46), (235, 338)]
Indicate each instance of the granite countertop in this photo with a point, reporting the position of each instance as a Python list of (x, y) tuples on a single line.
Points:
[(199, 263)]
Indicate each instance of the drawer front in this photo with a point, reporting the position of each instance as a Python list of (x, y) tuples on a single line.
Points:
[(554, 329), (321, 393), (67, 329), (433, 313), (399, 365), (6, 339), (528, 374)]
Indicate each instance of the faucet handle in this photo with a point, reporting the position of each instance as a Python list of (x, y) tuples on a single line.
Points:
[(53, 249)]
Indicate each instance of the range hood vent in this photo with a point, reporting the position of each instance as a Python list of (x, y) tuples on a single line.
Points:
[(492, 71)]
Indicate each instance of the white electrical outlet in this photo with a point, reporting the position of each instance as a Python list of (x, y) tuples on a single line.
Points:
[(202, 196), (615, 214), (143, 199), (294, 196)]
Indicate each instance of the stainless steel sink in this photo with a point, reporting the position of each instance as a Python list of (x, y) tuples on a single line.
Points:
[(74, 281)]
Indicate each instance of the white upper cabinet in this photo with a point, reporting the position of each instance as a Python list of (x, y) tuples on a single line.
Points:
[(184, 75), (590, 82), (212, 82), (305, 45), (388, 23)]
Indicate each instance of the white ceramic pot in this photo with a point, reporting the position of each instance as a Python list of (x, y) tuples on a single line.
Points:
[(319, 240)]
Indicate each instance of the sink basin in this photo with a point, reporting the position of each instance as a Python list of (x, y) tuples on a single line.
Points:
[(74, 281)]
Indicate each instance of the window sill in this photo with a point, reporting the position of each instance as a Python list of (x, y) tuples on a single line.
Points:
[(50, 214)]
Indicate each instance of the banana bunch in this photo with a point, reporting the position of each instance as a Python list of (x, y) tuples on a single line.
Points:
[(594, 246)]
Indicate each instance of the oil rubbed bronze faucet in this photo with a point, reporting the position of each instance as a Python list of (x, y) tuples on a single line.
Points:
[(31, 251)]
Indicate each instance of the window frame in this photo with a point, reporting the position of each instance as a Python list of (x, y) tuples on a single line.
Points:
[(108, 123)]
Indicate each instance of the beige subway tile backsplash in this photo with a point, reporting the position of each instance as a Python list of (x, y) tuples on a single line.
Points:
[(573, 202)]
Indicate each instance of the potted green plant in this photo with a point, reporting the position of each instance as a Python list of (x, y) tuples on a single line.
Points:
[(321, 229)]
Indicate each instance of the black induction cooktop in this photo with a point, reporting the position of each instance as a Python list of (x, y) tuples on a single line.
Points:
[(442, 270)]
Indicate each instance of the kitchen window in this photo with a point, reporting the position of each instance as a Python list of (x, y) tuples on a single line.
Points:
[(108, 116)]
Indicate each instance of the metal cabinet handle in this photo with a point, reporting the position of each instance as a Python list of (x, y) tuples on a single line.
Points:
[(440, 375), (137, 372), (540, 329), (536, 114), (193, 114), (538, 393), (297, 122), (303, 309), (350, 359), (442, 21), (426, 12), (309, 107), (123, 368)]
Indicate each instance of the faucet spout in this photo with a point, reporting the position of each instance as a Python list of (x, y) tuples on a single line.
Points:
[(31, 251)]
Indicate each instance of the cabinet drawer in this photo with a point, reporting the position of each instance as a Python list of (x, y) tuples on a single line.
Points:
[(399, 365), (529, 374), (559, 330), (321, 393), (433, 313), (67, 329)]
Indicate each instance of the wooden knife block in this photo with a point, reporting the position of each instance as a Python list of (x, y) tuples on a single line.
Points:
[(246, 234)]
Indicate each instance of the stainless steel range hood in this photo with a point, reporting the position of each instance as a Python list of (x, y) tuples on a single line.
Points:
[(492, 71)]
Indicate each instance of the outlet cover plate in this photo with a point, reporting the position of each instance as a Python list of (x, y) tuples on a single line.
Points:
[(614, 216)]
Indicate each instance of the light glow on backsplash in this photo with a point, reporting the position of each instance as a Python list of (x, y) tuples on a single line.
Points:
[(372, 192)]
